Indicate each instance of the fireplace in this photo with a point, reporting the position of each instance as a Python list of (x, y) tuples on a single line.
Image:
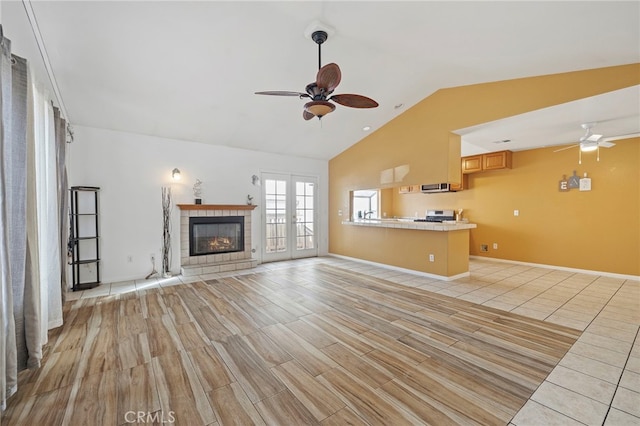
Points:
[(216, 235), (223, 245)]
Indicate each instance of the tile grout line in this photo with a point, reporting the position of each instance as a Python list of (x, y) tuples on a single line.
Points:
[(620, 378), (599, 311), (617, 385), (533, 297)]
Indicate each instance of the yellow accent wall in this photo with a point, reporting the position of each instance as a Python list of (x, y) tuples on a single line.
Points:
[(596, 230)]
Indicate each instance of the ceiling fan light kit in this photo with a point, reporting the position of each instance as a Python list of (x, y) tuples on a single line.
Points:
[(319, 91), (588, 146), (319, 108)]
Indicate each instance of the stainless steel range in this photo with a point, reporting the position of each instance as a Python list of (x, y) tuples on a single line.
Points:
[(438, 216)]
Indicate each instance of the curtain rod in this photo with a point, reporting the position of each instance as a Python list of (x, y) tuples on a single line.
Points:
[(45, 57)]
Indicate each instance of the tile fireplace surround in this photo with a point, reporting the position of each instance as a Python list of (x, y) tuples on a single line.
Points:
[(212, 263)]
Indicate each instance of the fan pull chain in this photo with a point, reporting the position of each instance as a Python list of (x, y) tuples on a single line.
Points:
[(579, 156), (598, 156)]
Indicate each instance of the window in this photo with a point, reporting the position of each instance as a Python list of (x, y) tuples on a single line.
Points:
[(365, 204)]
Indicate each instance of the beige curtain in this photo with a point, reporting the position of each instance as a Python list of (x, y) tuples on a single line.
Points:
[(48, 213), (62, 194), (33, 313)]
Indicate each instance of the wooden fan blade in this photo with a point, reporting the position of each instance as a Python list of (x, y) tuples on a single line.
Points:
[(283, 93), (566, 147), (354, 101), (307, 115), (329, 77)]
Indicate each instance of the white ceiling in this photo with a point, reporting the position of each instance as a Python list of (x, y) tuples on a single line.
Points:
[(189, 70)]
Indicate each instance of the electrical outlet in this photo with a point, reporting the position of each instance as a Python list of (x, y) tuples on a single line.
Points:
[(484, 248), (495, 246), (432, 258), (516, 212)]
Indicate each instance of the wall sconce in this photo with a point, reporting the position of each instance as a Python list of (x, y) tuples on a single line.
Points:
[(255, 180), (175, 174)]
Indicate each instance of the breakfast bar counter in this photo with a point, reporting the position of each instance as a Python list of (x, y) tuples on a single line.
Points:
[(411, 224), (442, 253)]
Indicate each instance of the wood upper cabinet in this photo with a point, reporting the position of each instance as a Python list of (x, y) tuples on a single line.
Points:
[(491, 161), (472, 164), (496, 160), (406, 189)]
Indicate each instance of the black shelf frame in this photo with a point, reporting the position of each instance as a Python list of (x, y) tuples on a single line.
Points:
[(74, 238)]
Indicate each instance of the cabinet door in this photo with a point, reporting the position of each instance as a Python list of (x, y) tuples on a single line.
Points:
[(497, 160), (472, 164)]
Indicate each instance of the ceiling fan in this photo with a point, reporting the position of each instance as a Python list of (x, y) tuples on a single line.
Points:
[(589, 142), (319, 91)]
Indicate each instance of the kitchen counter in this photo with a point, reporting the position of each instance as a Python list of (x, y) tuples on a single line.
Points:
[(442, 253), (410, 224)]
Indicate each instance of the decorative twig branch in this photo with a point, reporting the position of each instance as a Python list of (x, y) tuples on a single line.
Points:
[(166, 231)]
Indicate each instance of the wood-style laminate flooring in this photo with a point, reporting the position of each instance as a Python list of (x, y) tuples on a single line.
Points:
[(314, 344)]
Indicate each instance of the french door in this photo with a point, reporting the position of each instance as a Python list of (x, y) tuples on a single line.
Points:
[(290, 216)]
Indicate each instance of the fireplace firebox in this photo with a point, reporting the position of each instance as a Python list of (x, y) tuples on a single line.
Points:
[(215, 235)]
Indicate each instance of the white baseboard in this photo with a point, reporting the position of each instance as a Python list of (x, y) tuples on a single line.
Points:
[(396, 268), (561, 268)]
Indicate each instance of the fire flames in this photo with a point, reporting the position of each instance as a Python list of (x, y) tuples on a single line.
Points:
[(220, 244)]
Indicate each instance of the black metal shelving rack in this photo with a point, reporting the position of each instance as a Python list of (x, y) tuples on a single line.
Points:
[(84, 237)]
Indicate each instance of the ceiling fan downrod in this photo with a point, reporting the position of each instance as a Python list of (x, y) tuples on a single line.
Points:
[(319, 37)]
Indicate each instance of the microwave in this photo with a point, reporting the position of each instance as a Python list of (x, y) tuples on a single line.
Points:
[(435, 187)]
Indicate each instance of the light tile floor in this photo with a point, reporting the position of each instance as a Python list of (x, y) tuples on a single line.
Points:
[(598, 380)]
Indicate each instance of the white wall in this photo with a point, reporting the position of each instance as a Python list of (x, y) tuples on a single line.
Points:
[(131, 169)]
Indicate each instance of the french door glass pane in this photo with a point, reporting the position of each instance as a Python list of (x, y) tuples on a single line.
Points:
[(276, 215), (304, 216)]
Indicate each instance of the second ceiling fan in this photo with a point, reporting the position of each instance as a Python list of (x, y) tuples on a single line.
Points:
[(320, 91), (589, 142)]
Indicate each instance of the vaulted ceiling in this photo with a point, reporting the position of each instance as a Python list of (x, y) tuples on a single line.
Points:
[(189, 70)]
